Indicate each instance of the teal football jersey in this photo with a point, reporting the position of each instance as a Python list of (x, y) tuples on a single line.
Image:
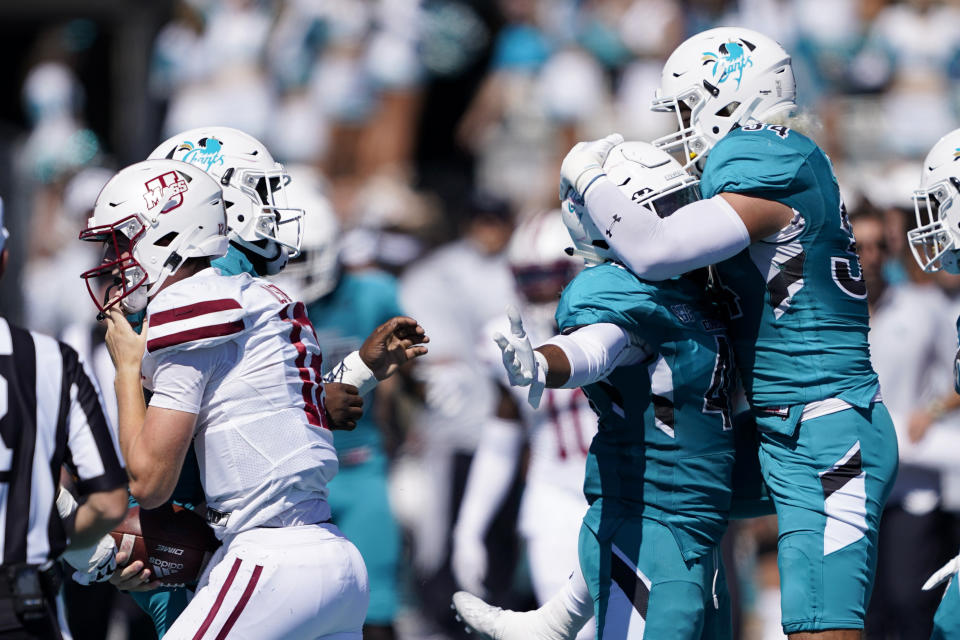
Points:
[(234, 263), (343, 319), (665, 447), (796, 302)]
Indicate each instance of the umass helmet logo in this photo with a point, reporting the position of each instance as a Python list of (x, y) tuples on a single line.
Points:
[(730, 62), (166, 190)]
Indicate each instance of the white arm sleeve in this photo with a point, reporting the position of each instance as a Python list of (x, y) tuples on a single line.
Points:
[(595, 350), (491, 472), (696, 235)]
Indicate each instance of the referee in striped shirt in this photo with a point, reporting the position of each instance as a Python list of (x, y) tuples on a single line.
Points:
[(50, 416)]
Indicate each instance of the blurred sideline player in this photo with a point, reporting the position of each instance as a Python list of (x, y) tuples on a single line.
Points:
[(936, 245), (229, 360), (559, 432), (773, 222), (344, 307), (657, 367)]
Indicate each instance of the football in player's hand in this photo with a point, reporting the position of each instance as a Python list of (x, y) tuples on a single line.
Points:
[(173, 542)]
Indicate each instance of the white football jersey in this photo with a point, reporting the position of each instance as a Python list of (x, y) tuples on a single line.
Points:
[(561, 430), (238, 352)]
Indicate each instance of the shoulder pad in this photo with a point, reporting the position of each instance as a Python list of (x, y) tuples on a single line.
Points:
[(194, 315)]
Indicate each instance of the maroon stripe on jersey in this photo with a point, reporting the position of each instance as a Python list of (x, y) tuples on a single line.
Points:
[(555, 421), (237, 610), (212, 331), (219, 601), (313, 407), (192, 311), (575, 415)]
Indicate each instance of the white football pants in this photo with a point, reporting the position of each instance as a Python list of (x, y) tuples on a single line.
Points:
[(303, 582)]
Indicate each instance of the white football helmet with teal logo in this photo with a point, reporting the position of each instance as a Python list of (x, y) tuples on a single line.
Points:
[(723, 78), (262, 224), (650, 177), (936, 240)]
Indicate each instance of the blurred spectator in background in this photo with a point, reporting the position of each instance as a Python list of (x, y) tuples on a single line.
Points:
[(344, 309), (910, 49), (558, 433), (209, 61), (53, 302), (454, 292), (912, 339)]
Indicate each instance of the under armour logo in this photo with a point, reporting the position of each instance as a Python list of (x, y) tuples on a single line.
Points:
[(609, 230)]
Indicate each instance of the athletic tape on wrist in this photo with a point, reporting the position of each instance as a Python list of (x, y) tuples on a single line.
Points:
[(353, 370)]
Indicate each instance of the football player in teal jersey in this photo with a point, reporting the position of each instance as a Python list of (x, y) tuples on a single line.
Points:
[(935, 243), (344, 308), (773, 223), (657, 367)]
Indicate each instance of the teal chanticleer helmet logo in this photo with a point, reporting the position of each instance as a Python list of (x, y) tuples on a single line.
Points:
[(208, 153), (730, 61)]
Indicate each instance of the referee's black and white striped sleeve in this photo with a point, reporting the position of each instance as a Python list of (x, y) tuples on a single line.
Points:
[(50, 415), (92, 448)]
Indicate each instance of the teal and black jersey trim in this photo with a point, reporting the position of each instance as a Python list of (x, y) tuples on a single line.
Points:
[(796, 302), (664, 449)]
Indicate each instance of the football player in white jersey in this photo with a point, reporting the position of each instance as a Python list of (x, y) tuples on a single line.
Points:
[(559, 432), (234, 368)]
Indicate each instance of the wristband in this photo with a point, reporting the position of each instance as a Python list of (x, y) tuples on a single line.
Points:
[(588, 177), (353, 370)]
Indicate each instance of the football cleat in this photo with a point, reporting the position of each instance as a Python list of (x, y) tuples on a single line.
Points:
[(493, 623)]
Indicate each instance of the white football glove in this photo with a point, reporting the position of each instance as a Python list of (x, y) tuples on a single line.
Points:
[(469, 563), (584, 162), (93, 564), (525, 367), (943, 574), (66, 503)]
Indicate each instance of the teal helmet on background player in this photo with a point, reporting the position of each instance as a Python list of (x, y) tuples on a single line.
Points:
[(653, 180), (262, 224), (720, 79), (936, 240)]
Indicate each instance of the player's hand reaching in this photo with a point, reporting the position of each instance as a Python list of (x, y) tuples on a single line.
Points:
[(393, 343), (344, 405), (124, 344), (519, 359), (584, 162)]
